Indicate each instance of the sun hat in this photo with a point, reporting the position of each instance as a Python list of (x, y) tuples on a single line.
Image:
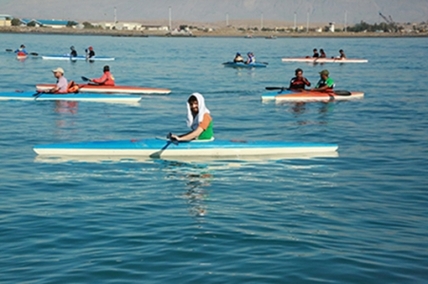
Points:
[(324, 72), (59, 69)]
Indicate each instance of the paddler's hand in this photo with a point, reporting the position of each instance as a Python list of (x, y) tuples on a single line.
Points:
[(173, 137)]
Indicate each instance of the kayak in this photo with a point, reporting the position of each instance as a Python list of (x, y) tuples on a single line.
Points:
[(21, 57), (80, 57), (244, 65), (34, 96), (324, 60), (87, 88), (161, 148), (310, 96)]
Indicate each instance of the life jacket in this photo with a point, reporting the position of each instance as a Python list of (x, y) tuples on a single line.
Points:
[(72, 87)]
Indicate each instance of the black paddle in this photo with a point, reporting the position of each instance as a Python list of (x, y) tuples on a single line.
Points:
[(342, 93), (38, 94), (34, 53), (276, 88), (9, 50), (85, 78)]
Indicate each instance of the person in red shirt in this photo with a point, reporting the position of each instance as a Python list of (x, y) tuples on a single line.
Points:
[(106, 79)]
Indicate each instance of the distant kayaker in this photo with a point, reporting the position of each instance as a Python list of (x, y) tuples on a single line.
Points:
[(61, 83), (299, 82), (322, 53), (90, 52), (325, 83), (251, 58), (198, 119), (73, 52), (316, 54), (342, 54), (21, 51), (238, 58), (106, 79)]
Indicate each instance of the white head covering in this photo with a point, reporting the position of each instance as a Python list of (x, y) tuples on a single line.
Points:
[(194, 122)]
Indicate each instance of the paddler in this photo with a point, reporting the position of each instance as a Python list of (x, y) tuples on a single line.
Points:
[(316, 54), (73, 52), (61, 83), (106, 79), (198, 119), (90, 52), (342, 54), (238, 58), (299, 82), (251, 58), (21, 51), (325, 84), (322, 53)]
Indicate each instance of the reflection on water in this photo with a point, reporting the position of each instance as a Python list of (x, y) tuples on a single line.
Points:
[(66, 107), (197, 177)]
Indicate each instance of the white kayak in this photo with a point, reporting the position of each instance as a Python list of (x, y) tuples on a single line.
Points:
[(34, 96), (80, 57), (87, 88), (159, 148), (323, 60)]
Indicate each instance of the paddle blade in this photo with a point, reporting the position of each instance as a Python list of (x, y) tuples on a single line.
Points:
[(34, 53), (85, 78), (9, 50), (275, 88), (342, 93)]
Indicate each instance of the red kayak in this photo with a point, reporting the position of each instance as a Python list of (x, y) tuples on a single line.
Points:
[(88, 88), (284, 95)]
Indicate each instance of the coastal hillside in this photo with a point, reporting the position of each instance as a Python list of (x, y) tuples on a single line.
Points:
[(316, 11)]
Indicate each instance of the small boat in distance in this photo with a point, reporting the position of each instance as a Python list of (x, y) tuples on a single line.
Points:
[(79, 57), (323, 60), (245, 65)]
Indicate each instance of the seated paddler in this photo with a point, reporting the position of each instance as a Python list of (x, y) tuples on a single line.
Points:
[(106, 79), (198, 119)]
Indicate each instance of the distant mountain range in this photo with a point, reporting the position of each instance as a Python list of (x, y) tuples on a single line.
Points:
[(206, 11)]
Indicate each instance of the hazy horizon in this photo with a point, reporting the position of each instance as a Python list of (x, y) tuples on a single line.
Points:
[(211, 11)]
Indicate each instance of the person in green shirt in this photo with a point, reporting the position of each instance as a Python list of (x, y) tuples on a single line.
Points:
[(325, 84), (198, 119)]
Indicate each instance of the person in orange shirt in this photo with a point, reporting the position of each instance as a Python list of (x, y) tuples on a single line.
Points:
[(106, 79), (198, 119)]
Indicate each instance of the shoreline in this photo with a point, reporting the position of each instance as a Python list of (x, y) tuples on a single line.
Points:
[(222, 32)]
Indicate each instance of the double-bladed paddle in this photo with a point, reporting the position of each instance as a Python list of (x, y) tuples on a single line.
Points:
[(336, 92), (276, 88)]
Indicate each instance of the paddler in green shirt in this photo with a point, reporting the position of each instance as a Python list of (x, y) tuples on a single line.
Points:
[(325, 84), (198, 119)]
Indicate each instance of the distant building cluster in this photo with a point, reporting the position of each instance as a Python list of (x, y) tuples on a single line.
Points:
[(8, 20), (387, 26)]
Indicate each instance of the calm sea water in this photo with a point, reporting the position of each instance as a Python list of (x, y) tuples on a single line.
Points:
[(360, 217)]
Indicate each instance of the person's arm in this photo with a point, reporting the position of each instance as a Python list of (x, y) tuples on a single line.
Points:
[(188, 136), (320, 89), (101, 80), (307, 83)]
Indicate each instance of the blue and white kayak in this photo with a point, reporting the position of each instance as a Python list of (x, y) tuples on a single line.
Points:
[(159, 148), (81, 97), (80, 57), (244, 65)]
